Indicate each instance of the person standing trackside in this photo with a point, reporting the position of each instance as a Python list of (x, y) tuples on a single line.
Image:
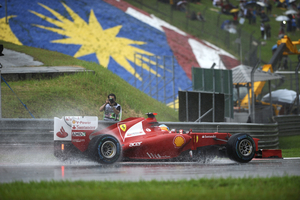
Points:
[(262, 30), (112, 110)]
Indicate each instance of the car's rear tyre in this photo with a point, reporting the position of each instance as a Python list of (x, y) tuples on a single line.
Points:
[(105, 149), (241, 148)]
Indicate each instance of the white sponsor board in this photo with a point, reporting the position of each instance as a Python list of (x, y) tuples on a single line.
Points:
[(64, 127)]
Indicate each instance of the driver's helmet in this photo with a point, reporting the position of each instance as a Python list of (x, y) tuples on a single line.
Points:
[(164, 127)]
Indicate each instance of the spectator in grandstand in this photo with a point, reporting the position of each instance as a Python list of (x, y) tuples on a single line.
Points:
[(280, 4), (200, 17), (269, 7), (191, 16), (262, 30), (217, 3), (242, 8), (181, 5), (298, 19), (254, 16), (294, 25), (249, 15), (264, 17)]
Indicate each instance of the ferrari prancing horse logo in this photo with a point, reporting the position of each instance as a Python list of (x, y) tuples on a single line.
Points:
[(123, 127)]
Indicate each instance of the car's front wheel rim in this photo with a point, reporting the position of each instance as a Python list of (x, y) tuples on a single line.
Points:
[(245, 147)]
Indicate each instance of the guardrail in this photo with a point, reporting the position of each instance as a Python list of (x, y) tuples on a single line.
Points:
[(267, 133), (40, 131), (288, 125), (30, 131)]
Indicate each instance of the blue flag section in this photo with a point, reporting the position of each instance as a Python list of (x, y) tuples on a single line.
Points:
[(99, 32)]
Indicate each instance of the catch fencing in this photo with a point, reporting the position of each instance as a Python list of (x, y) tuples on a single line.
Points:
[(40, 131), (160, 77)]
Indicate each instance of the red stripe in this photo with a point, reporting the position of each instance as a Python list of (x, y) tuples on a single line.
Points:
[(229, 62), (182, 51), (122, 5)]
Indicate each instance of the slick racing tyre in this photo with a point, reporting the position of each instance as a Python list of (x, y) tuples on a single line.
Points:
[(105, 149), (241, 148)]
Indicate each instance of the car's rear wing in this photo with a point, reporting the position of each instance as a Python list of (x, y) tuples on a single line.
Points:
[(67, 126)]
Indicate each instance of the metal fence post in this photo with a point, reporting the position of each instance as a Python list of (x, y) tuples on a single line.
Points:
[(156, 75), (218, 20), (149, 77), (199, 110), (0, 92), (187, 18), (297, 84), (6, 12), (171, 14), (135, 70), (142, 72), (187, 106), (173, 78), (250, 43), (164, 79)]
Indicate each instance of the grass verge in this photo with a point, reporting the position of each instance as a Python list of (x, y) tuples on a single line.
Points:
[(230, 188), (290, 146)]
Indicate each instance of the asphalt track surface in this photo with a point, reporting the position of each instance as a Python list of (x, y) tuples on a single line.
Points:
[(37, 163)]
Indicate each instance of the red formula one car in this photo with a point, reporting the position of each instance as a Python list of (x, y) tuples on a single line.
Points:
[(144, 139)]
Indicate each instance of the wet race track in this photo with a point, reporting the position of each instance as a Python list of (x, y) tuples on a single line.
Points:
[(36, 163)]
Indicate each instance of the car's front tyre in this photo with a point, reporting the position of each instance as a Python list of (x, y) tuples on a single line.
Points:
[(241, 148)]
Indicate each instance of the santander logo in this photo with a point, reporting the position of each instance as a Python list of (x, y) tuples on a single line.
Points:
[(62, 133)]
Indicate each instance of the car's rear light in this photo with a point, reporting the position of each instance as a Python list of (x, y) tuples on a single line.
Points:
[(62, 171)]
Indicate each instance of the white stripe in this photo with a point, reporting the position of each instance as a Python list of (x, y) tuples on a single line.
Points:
[(205, 55), (153, 21)]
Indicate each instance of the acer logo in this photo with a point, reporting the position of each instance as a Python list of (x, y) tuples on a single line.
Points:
[(135, 144), (62, 133)]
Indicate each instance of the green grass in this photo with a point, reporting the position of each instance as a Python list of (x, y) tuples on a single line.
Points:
[(290, 146), (231, 188)]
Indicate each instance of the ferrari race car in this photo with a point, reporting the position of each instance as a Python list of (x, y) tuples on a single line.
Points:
[(138, 138)]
